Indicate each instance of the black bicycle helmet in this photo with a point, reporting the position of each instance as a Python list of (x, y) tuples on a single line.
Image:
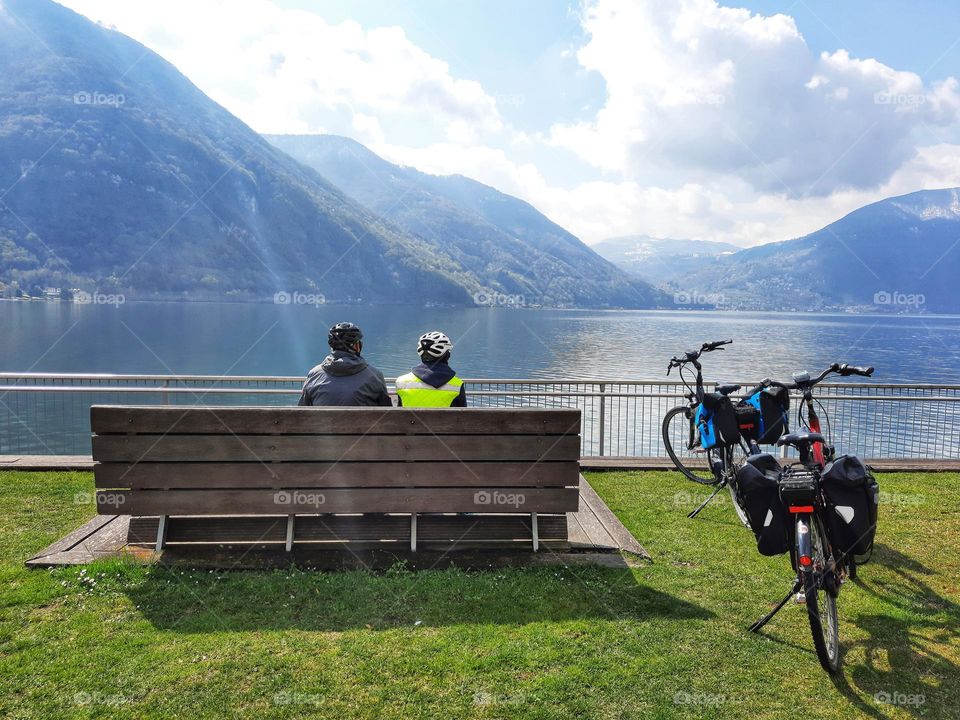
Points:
[(344, 336)]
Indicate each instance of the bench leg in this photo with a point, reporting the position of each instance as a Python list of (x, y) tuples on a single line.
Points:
[(289, 546), (413, 532), (161, 533), (536, 533)]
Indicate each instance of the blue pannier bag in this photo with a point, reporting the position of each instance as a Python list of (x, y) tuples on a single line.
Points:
[(771, 407), (717, 421)]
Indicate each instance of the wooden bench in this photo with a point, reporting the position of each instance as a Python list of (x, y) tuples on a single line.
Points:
[(340, 476)]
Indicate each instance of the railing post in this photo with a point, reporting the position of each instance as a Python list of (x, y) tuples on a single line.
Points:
[(165, 396), (603, 417)]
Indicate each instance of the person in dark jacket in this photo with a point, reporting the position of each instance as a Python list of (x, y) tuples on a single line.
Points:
[(344, 377), (433, 383)]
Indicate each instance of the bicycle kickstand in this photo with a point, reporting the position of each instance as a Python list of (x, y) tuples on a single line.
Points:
[(719, 487), (797, 585)]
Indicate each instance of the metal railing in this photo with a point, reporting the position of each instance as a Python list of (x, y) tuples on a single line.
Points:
[(48, 413)]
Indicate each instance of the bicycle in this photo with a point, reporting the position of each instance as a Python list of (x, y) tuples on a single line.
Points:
[(723, 459), (820, 570)]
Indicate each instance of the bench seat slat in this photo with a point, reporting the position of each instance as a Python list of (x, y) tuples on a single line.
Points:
[(331, 475), (326, 448), (332, 421), (311, 501)]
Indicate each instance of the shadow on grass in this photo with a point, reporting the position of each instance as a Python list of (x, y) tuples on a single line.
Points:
[(193, 601), (903, 647)]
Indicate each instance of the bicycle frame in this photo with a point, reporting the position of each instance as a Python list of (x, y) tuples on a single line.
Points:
[(820, 454)]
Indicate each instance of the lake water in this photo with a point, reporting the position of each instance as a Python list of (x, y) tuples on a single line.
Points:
[(259, 339), (267, 339)]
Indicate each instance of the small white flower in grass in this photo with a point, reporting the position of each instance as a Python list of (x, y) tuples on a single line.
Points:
[(418, 622)]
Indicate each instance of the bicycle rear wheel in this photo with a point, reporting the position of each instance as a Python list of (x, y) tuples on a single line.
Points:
[(676, 433), (820, 588), (735, 458)]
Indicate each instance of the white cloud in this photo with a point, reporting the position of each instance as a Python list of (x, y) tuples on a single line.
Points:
[(289, 71), (733, 212), (697, 92), (718, 124)]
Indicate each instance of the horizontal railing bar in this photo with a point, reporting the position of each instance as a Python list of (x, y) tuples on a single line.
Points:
[(146, 389), (160, 378), (487, 393), (474, 381)]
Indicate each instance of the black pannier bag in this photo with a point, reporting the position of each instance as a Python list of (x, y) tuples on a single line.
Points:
[(853, 498), (718, 421), (748, 421), (758, 481)]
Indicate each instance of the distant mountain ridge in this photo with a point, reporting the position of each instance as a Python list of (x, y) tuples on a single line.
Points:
[(661, 260), (509, 246), (901, 254), (118, 174)]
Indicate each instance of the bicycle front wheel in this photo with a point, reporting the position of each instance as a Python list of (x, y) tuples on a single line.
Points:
[(820, 588), (676, 434)]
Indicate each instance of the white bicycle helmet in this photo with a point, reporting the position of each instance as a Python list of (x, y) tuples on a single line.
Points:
[(434, 345)]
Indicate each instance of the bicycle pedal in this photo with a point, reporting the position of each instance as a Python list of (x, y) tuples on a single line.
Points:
[(800, 599)]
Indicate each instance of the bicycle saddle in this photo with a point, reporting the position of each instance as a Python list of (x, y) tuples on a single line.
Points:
[(798, 439), (727, 388)]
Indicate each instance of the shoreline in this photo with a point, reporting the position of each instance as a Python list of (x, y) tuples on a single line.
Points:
[(834, 312)]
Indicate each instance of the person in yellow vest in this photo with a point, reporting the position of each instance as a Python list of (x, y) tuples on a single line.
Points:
[(433, 383)]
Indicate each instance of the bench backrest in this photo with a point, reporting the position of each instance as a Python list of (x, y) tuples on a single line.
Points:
[(291, 460)]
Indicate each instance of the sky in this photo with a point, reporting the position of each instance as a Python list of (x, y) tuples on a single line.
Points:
[(746, 123)]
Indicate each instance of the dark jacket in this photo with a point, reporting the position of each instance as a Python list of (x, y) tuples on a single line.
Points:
[(344, 378), (438, 374)]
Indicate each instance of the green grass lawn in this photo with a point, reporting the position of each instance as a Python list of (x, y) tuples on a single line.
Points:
[(664, 639)]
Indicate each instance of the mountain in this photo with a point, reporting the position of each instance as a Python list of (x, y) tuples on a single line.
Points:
[(901, 254), (118, 174), (661, 260), (511, 248)]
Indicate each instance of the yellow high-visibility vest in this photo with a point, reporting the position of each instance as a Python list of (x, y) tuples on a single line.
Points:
[(414, 392)]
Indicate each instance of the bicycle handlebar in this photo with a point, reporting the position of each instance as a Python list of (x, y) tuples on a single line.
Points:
[(803, 381), (846, 370), (691, 356)]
